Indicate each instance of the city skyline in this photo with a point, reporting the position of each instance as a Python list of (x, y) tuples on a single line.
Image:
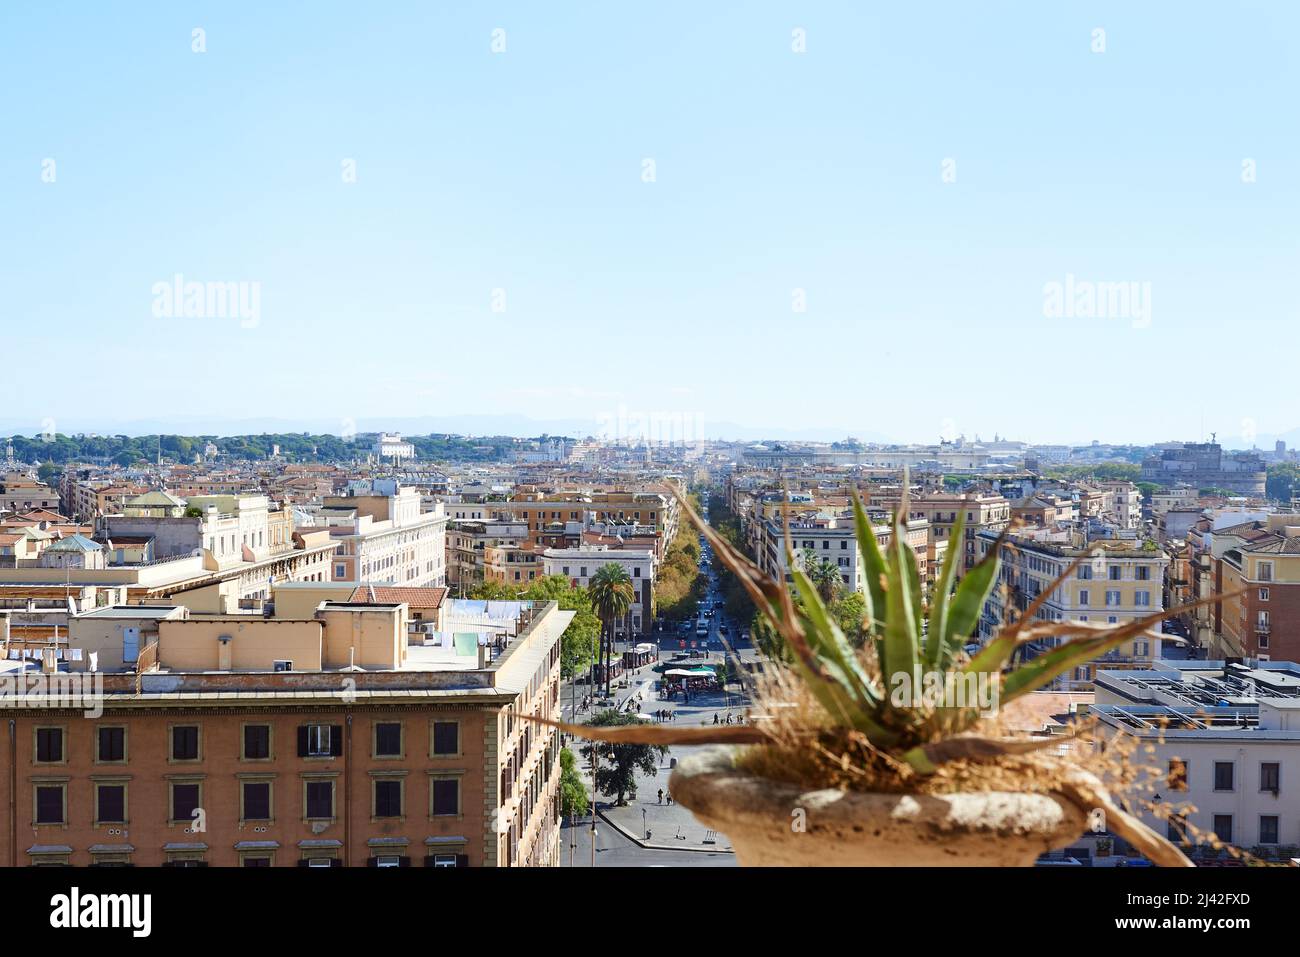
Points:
[(670, 201)]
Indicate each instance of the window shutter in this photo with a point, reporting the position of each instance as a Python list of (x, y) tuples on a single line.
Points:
[(302, 741), (462, 860), (372, 862), (429, 860), (336, 740), (302, 862), (404, 862), (336, 862)]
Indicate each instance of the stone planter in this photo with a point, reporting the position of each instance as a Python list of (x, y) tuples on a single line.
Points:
[(772, 823)]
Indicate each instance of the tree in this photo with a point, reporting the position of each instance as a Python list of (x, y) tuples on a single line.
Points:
[(824, 574), (573, 790), (47, 472), (580, 642), (492, 590), (618, 763), (1280, 485), (612, 595), (850, 611)]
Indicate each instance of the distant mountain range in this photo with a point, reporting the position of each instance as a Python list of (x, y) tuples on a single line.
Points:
[(513, 425)]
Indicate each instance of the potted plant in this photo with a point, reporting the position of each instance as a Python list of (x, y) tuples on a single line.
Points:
[(889, 754)]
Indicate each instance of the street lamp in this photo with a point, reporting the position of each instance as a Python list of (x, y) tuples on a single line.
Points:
[(643, 825)]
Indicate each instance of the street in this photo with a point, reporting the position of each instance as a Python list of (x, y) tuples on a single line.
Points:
[(648, 831)]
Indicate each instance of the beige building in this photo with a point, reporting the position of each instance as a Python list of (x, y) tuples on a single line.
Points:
[(1120, 581), (384, 536), (327, 740)]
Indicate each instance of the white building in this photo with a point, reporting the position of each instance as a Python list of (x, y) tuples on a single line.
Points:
[(579, 565), (384, 536), (393, 446), (1231, 748)]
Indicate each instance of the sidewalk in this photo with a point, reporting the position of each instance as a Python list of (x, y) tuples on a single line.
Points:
[(672, 827)]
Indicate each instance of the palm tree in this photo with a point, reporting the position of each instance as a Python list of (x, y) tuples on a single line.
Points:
[(825, 575), (612, 595)]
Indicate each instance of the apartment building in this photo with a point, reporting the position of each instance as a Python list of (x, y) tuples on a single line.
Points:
[(1125, 503), (1256, 567), (384, 536), (833, 538), (580, 565), (232, 529), (982, 512), (539, 510), (1226, 742), (467, 542), (19, 492), (1121, 580), (251, 742)]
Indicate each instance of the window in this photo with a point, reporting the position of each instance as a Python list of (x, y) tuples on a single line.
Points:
[(1268, 829), (1083, 597), (1114, 573), (255, 860), (1176, 779), (1223, 776), (51, 804), (110, 745), (446, 738), (49, 745), (255, 800), (1270, 776), (446, 797), (1266, 571), (185, 800), (441, 860), (320, 740), (185, 742), (388, 740), (1143, 599), (1085, 572), (110, 803), (257, 742), (1263, 594), (320, 800), (1143, 573), (1112, 599), (1223, 827), (388, 798)]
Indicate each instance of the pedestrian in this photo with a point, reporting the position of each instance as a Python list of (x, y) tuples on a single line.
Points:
[(715, 717), (661, 795)]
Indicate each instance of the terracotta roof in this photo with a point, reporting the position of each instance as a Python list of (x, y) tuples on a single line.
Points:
[(392, 595)]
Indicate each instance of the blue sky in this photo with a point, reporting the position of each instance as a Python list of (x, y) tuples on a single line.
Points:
[(522, 171)]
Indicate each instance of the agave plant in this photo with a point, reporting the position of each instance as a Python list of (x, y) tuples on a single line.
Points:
[(911, 635)]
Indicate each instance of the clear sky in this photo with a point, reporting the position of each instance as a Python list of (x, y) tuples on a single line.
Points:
[(524, 171)]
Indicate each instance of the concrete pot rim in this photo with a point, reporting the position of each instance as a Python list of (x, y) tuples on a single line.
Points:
[(1009, 826)]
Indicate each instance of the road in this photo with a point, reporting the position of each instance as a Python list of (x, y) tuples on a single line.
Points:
[(615, 850), (668, 824)]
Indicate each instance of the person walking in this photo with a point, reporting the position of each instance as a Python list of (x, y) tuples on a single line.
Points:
[(661, 795)]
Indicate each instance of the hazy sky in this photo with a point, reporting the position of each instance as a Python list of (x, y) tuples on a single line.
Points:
[(913, 180)]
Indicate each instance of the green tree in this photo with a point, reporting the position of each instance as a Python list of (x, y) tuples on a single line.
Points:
[(824, 574), (612, 596), (492, 590), (850, 611), (581, 640), (574, 801), (1280, 485), (618, 763), (47, 472)]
